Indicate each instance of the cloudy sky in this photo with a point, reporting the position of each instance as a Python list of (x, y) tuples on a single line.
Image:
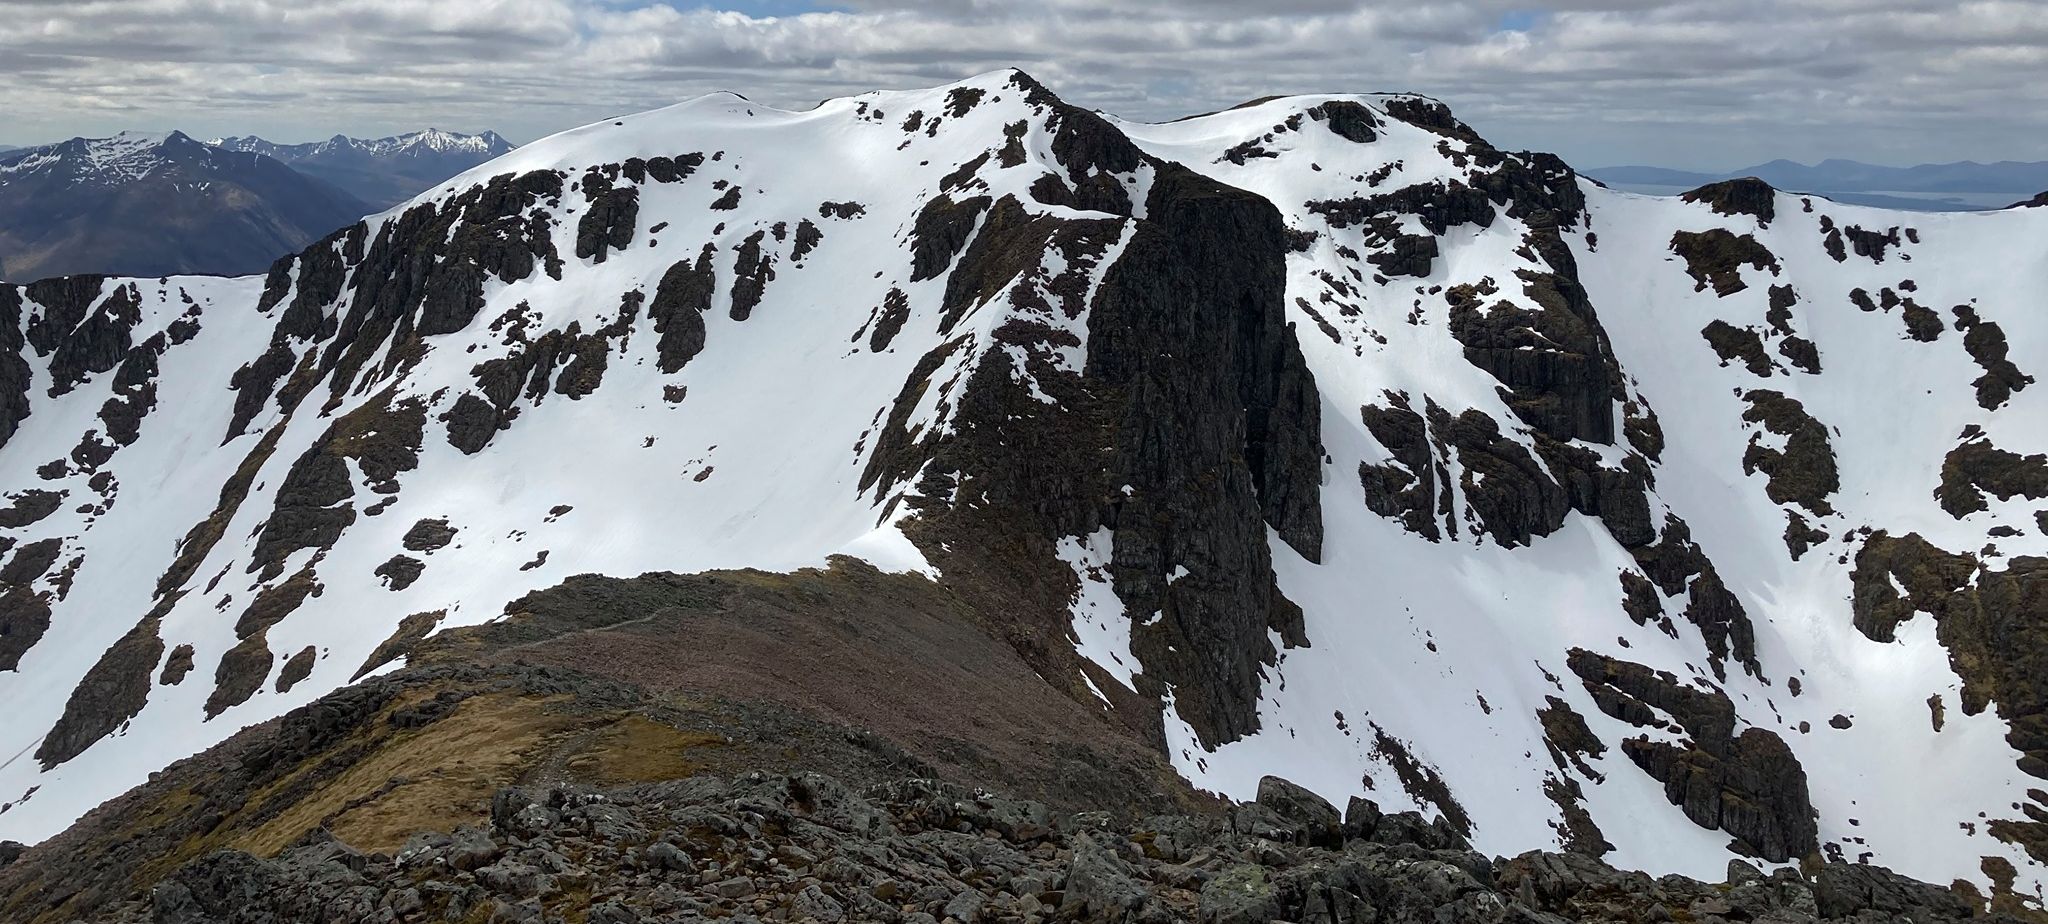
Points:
[(1686, 83)]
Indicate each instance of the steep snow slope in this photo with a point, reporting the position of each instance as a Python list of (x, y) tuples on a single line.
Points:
[(1545, 517), (751, 456), (1453, 647)]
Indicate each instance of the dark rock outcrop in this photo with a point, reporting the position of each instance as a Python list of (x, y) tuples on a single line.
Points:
[(1994, 624), (942, 229), (296, 668), (1188, 348), (177, 666), (1715, 257), (240, 674), (680, 302), (609, 221), (312, 509), (752, 269), (1804, 471), (1749, 784), (274, 603), (1745, 196), (113, 691), (1226, 323), (1733, 343), (428, 535), (1406, 488), (24, 618), (401, 571), (1985, 341), (889, 320), (1976, 467), (1346, 119)]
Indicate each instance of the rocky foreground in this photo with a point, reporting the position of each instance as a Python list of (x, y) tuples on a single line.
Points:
[(807, 847)]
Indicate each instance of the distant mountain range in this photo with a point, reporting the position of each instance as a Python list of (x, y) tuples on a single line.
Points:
[(385, 171), (151, 205), (1848, 176)]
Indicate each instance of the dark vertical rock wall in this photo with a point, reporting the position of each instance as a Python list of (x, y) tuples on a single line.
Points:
[(1218, 433)]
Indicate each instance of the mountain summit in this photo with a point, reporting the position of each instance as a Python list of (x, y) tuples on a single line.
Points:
[(151, 205), (381, 171), (966, 433)]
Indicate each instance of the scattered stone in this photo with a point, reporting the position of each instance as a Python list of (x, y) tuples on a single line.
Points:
[(738, 846)]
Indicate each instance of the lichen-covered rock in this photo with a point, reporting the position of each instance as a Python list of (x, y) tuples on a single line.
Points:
[(1099, 884)]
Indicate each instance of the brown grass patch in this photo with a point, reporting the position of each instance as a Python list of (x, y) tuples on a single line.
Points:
[(436, 777)]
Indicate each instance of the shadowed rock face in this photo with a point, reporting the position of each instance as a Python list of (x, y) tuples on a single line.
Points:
[(1193, 428), (1260, 403)]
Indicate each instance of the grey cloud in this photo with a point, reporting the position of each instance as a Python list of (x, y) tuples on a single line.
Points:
[(1688, 82)]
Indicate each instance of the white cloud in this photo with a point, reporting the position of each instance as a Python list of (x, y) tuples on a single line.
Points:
[(1690, 82)]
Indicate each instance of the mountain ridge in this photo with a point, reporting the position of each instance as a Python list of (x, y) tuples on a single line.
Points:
[(381, 171), (1166, 489), (156, 204)]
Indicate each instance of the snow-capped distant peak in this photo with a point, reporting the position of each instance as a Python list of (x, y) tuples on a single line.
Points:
[(122, 158), (430, 142)]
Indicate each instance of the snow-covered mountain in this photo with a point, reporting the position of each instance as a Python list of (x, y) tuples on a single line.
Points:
[(381, 171), (155, 204), (1316, 437), (428, 143)]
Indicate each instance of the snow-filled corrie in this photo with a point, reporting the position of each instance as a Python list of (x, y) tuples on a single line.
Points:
[(1653, 528), (1453, 646)]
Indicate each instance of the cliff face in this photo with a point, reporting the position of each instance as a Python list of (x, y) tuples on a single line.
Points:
[(1316, 438)]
